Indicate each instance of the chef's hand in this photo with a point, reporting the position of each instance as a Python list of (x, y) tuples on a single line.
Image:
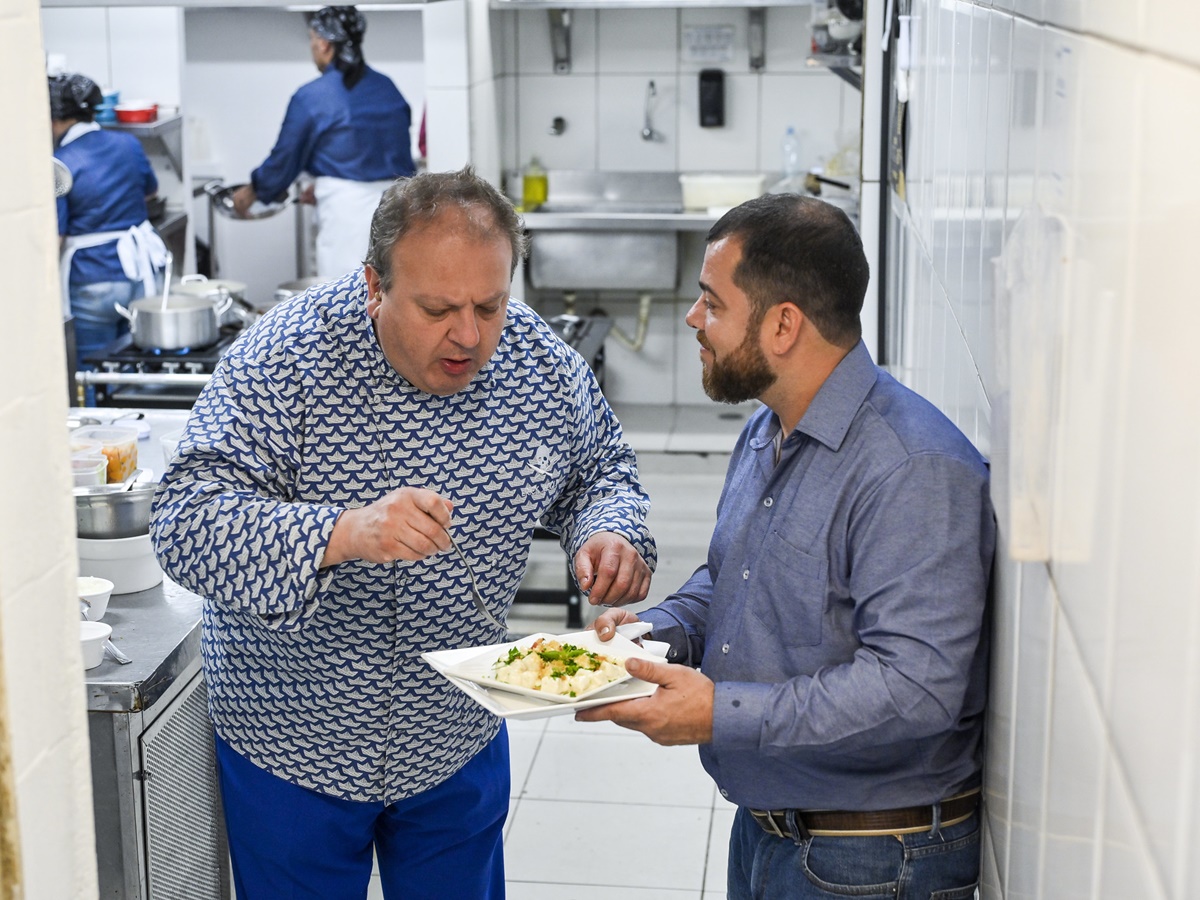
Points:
[(606, 623), (610, 571), (308, 194), (408, 523), (242, 198), (679, 712)]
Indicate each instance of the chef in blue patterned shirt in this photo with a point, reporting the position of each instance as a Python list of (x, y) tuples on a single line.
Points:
[(831, 652), (311, 502)]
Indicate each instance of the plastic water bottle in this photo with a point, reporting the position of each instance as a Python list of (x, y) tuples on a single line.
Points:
[(790, 148)]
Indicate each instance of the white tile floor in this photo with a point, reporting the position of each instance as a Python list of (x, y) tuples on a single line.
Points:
[(666, 828)]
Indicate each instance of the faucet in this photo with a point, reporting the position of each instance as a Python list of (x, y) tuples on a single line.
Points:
[(648, 132)]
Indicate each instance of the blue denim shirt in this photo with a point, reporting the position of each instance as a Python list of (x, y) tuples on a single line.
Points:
[(841, 609), (359, 134)]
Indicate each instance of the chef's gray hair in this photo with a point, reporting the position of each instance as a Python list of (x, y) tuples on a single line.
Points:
[(412, 202)]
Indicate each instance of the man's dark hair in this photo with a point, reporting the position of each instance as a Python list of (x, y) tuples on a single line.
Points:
[(803, 251), (412, 202)]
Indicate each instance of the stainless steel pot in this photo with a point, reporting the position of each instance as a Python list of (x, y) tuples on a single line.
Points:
[(113, 510), (185, 322), (289, 289), (242, 313)]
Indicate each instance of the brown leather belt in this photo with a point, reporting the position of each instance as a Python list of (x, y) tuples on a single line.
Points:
[(801, 823)]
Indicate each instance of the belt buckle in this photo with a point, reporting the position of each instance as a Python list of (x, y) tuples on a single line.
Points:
[(767, 822)]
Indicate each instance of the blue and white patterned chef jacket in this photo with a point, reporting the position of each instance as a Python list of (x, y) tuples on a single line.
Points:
[(316, 675)]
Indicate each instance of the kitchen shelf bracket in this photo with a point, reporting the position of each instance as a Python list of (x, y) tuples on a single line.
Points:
[(560, 40), (756, 34)]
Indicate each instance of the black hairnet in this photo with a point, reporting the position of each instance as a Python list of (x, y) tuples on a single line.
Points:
[(74, 97)]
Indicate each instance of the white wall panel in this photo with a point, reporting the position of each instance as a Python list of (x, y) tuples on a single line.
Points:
[(1080, 342), (637, 41)]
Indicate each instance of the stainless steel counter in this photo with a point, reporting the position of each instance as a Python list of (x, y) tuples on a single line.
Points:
[(159, 630)]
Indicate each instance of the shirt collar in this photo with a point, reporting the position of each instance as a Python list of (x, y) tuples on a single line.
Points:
[(833, 409), (76, 131)]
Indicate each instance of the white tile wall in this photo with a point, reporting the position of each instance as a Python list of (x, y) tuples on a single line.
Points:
[(42, 699), (1049, 285), (615, 53)]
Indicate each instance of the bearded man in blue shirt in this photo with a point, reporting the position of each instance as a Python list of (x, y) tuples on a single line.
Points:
[(838, 625)]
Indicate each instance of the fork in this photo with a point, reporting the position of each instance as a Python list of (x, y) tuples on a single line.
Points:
[(475, 595)]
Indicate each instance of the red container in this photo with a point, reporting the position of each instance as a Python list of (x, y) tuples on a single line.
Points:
[(136, 111)]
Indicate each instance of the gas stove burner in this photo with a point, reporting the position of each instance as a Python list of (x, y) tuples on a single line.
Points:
[(122, 357)]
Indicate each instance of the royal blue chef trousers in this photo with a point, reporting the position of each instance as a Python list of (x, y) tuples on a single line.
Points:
[(292, 843)]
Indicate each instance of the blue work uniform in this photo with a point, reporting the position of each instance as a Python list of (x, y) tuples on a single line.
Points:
[(355, 143)]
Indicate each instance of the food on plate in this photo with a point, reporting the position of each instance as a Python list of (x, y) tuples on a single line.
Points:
[(556, 668)]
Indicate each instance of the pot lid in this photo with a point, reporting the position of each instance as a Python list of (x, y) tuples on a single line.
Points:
[(210, 286)]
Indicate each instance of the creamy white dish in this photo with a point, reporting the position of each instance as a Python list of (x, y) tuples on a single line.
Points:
[(556, 668)]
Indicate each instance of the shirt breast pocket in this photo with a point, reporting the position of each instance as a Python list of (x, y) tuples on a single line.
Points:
[(790, 599)]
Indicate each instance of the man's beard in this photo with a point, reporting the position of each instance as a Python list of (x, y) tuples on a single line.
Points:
[(743, 375)]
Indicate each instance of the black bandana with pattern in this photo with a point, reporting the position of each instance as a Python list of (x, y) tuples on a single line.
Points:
[(343, 26), (74, 97)]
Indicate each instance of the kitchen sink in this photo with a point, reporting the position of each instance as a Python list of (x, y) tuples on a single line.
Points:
[(606, 231)]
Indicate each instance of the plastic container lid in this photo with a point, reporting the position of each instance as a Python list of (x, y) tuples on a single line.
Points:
[(89, 470)]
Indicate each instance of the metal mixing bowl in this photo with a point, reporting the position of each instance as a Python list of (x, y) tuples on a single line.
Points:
[(113, 510)]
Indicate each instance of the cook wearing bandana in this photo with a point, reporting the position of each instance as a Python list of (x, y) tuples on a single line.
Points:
[(110, 253), (349, 129)]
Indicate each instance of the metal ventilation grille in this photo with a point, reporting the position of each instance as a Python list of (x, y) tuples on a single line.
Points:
[(185, 837)]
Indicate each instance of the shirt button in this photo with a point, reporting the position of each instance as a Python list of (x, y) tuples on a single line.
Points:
[(745, 574), (724, 793), (767, 503), (724, 648)]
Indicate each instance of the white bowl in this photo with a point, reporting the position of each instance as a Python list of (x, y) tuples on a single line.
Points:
[(129, 563), (92, 636), (95, 592), (844, 29)]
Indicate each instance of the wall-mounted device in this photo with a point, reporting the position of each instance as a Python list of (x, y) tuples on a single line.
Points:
[(712, 98)]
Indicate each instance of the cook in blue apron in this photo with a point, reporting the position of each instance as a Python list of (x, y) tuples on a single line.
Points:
[(349, 129), (110, 253)]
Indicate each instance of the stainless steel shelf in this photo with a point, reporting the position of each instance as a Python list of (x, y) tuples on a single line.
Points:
[(167, 131), (847, 68)]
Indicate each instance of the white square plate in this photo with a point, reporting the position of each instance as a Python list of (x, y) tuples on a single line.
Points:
[(469, 668)]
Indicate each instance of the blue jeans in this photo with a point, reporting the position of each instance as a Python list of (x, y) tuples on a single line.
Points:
[(905, 867), (97, 323), (287, 842)]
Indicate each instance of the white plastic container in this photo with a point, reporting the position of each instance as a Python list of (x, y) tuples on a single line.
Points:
[(92, 636), (118, 444), (90, 471), (129, 563), (95, 592), (719, 192)]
